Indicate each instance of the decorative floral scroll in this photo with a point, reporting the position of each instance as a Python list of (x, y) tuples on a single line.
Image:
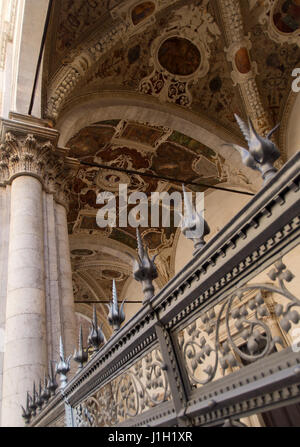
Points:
[(138, 389), (206, 350)]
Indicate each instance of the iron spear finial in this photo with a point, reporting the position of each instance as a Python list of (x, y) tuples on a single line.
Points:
[(81, 355), (63, 366), (193, 225), (52, 384), (144, 269), (262, 152), (116, 315), (26, 413), (96, 336)]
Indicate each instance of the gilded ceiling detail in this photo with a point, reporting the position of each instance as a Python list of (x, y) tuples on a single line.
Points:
[(141, 11)]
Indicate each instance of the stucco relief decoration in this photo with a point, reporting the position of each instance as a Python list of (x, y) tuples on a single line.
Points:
[(283, 20), (180, 55), (238, 55)]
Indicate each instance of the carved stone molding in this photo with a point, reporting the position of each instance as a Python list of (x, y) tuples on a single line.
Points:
[(69, 75), (119, 28)]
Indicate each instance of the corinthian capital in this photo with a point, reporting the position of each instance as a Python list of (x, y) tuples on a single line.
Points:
[(29, 147), (62, 183)]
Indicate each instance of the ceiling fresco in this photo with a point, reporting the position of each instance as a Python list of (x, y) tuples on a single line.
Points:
[(206, 85), (174, 52), (286, 16), (146, 149), (143, 148), (72, 20), (180, 58)]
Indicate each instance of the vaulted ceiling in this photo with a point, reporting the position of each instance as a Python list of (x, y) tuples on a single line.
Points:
[(200, 60)]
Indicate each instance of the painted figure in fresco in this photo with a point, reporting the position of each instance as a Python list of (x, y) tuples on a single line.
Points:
[(287, 16)]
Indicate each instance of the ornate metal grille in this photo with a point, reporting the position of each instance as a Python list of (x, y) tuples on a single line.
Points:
[(215, 345)]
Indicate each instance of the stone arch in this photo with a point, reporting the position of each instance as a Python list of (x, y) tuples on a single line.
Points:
[(91, 108)]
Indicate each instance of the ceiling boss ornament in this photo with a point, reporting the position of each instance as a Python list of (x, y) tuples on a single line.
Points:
[(180, 55)]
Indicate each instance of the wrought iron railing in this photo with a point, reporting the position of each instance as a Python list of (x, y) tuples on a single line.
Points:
[(214, 344)]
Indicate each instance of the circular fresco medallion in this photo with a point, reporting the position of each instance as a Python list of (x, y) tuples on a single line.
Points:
[(286, 16), (179, 56)]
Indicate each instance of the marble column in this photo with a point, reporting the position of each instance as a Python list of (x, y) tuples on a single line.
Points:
[(38, 300), (25, 354), (65, 279), (4, 234), (53, 298), (28, 148)]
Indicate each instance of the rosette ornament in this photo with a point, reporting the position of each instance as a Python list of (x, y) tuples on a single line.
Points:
[(63, 366), (81, 355), (144, 269), (96, 336), (116, 315), (262, 151), (193, 225)]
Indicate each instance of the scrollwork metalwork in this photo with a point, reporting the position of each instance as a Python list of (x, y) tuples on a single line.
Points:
[(206, 352), (140, 388)]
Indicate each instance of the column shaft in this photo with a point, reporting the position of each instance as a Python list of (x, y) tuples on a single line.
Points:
[(53, 304), (25, 336), (4, 235), (65, 280)]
